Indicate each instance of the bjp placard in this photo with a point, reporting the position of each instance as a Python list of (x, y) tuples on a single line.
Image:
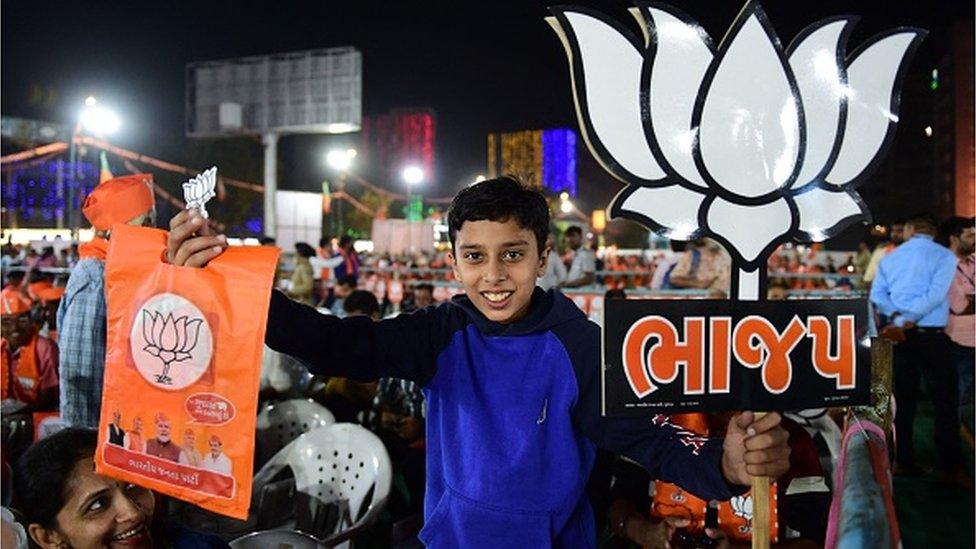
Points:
[(752, 144), (673, 356), (182, 369)]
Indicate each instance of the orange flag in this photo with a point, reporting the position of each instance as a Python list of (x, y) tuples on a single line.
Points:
[(182, 369)]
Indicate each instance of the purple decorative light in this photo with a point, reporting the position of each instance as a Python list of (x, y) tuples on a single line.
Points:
[(559, 160), (31, 193), (254, 225)]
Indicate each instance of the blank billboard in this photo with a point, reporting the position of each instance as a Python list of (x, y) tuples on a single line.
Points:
[(299, 218), (315, 91)]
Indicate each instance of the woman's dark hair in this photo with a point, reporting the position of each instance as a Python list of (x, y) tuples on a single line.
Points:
[(499, 200), (42, 474), (345, 241), (304, 249)]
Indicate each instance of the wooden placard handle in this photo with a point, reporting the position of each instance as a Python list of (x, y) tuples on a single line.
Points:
[(760, 508)]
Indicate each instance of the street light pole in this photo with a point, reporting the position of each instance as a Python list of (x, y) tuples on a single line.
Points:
[(98, 121), (341, 161), (412, 175), (72, 178), (342, 188), (270, 142)]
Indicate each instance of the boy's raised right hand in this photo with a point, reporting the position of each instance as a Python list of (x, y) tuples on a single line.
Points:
[(191, 241)]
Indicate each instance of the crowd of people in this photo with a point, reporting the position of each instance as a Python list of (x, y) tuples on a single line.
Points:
[(575, 264), (456, 433)]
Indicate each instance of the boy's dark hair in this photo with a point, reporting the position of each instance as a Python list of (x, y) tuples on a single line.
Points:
[(574, 230), (324, 241), (42, 475), (345, 241), (348, 280), (499, 200), (16, 276), (266, 241), (304, 250), (361, 302), (424, 286)]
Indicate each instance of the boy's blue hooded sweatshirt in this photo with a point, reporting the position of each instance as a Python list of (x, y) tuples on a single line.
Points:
[(513, 415)]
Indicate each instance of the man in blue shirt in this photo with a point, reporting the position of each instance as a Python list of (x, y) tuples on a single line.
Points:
[(911, 293)]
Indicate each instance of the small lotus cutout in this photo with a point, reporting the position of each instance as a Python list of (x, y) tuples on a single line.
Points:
[(748, 143), (200, 189)]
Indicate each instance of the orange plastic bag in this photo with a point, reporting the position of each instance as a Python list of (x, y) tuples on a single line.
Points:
[(182, 368)]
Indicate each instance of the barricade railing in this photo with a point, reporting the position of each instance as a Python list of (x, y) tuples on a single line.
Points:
[(47, 270), (614, 273), (862, 513)]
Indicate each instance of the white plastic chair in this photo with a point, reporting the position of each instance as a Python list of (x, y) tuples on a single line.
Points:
[(284, 374), (279, 423), (276, 539), (337, 464)]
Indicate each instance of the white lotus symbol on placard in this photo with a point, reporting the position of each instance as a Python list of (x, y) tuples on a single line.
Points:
[(748, 143)]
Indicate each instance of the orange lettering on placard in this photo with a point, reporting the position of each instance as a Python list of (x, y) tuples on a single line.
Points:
[(840, 365), (719, 373), (757, 344), (661, 362)]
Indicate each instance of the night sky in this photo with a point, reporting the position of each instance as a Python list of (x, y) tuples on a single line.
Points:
[(482, 67)]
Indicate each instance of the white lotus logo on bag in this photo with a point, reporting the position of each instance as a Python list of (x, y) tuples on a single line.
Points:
[(748, 143), (171, 341)]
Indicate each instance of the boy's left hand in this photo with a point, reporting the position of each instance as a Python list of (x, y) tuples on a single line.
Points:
[(755, 448)]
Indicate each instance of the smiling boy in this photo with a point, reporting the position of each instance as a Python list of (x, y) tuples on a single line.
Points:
[(511, 380)]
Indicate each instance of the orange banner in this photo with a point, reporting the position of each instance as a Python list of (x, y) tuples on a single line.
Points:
[(182, 369), (194, 479)]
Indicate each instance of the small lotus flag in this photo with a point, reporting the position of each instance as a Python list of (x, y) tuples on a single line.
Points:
[(105, 173), (200, 189)]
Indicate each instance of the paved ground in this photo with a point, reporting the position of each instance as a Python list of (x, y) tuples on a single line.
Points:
[(928, 515)]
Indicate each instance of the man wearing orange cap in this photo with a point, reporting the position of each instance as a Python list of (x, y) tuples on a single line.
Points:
[(36, 283), (28, 362), (81, 315)]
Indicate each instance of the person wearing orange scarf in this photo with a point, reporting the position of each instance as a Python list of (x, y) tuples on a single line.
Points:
[(28, 362), (14, 288), (81, 315)]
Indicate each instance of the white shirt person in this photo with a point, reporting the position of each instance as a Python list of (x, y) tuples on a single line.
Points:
[(216, 460)]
